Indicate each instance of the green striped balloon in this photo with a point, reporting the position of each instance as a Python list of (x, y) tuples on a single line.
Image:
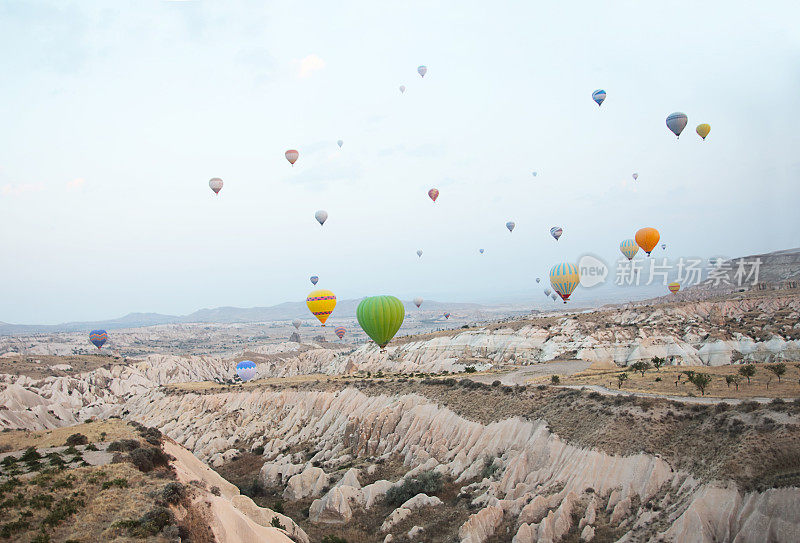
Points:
[(381, 317)]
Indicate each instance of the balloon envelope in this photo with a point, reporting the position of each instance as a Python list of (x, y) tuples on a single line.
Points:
[(554, 296), (535, 174), (321, 216), (296, 323), (565, 278), (703, 130), (98, 338), (380, 317), (629, 248), (647, 238), (292, 156), (216, 184), (433, 193), (340, 143), (635, 176), (677, 122), (340, 331), (419, 252), (674, 287), (447, 315), (402, 89), (422, 70), (556, 232), (538, 279), (598, 96), (418, 301), (314, 279), (547, 292), (510, 225), (321, 304), (480, 251), (664, 246), (246, 370)]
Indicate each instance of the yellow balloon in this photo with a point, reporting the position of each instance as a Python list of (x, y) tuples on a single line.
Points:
[(703, 130), (321, 304)]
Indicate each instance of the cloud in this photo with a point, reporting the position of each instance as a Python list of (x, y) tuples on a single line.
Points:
[(76, 183), (10, 189), (308, 65)]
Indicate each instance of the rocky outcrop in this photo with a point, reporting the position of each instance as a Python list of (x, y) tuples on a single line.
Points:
[(541, 484), (309, 483)]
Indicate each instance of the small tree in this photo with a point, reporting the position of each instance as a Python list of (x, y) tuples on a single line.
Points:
[(728, 380), (748, 370), (641, 366), (555, 379), (777, 369), (658, 362), (689, 375), (621, 378), (735, 379), (701, 381)]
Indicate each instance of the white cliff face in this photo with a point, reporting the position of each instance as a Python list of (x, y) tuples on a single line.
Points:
[(542, 484)]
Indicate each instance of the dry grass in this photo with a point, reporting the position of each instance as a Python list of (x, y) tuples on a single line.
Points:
[(788, 387), (39, 366), (20, 439)]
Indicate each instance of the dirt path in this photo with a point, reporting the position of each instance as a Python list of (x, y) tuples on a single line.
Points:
[(705, 400), (520, 375)]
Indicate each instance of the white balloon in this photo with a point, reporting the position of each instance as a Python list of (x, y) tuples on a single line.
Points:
[(321, 216), (215, 184)]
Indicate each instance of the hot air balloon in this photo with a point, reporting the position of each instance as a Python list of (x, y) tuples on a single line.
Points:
[(422, 70), (647, 238), (547, 292), (674, 287), (556, 232), (419, 253), (446, 315), (703, 130), (314, 279), (418, 301), (538, 279), (296, 323), (535, 174), (433, 193), (321, 304), (321, 216), (216, 184), (340, 331), (510, 225), (246, 370), (564, 278), (292, 156), (380, 317), (98, 338), (664, 246), (402, 89), (629, 248), (480, 251), (340, 143), (554, 296), (677, 122), (598, 96), (635, 176)]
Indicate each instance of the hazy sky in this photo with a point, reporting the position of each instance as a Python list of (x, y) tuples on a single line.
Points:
[(116, 114)]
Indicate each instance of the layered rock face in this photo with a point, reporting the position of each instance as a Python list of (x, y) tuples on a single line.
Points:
[(542, 485)]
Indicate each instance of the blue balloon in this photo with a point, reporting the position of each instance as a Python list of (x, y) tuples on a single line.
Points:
[(598, 96), (246, 370), (98, 337)]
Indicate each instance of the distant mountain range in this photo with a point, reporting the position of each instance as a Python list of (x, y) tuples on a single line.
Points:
[(224, 315)]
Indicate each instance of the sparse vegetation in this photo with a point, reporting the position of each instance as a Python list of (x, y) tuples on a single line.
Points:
[(470, 369), (428, 482), (640, 366), (621, 378), (777, 369), (657, 362), (748, 371), (77, 439), (701, 381), (555, 379)]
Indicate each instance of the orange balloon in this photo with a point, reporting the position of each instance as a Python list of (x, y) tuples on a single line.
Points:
[(647, 239)]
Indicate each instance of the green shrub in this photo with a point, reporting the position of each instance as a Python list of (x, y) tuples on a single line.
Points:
[(119, 482), (41, 501), (30, 455), (555, 379), (173, 492), (77, 439), (428, 482), (278, 507), (124, 445), (148, 524), (145, 459), (333, 539), (276, 523), (90, 447), (65, 507), (470, 369), (489, 467)]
